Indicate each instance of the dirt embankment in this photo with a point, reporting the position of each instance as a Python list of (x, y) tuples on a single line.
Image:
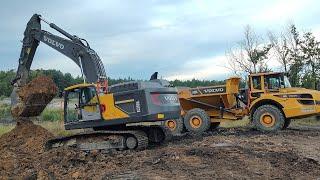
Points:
[(225, 153)]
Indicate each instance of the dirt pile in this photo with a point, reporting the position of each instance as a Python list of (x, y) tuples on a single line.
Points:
[(20, 147), (34, 97), (223, 154)]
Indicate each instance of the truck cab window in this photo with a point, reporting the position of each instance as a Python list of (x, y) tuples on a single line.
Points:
[(256, 82), (273, 82)]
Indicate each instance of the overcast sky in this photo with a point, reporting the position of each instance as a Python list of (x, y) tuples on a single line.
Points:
[(179, 39)]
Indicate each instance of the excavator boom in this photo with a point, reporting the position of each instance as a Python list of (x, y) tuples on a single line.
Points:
[(73, 47)]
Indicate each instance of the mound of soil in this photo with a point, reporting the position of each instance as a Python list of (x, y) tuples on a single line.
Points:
[(19, 148), (222, 154), (34, 97)]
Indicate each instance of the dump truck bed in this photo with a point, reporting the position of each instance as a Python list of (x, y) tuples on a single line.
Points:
[(211, 96)]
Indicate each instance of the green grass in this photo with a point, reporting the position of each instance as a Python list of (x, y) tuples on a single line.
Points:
[(5, 128), (52, 115), (46, 115), (5, 111), (56, 128), (311, 121)]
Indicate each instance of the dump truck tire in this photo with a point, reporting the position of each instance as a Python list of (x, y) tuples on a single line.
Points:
[(286, 123), (175, 126), (268, 118), (197, 121)]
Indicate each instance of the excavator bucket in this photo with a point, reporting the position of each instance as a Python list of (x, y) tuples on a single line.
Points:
[(31, 99)]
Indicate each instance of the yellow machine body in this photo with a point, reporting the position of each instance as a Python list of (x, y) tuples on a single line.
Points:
[(293, 102)]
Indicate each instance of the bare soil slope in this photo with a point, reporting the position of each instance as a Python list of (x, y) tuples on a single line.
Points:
[(224, 153), (20, 147)]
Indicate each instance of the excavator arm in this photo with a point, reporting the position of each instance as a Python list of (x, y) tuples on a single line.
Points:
[(75, 48)]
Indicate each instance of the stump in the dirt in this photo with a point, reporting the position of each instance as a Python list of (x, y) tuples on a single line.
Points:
[(34, 97)]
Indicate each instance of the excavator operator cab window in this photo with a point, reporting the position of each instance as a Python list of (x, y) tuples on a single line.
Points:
[(82, 104), (71, 105), (87, 95)]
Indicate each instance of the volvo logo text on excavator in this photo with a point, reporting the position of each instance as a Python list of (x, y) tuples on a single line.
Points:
[(53, 42)]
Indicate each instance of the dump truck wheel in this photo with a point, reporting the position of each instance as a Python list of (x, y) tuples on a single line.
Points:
[(197, 121), (286, 123), (175, 126), (268, 118)]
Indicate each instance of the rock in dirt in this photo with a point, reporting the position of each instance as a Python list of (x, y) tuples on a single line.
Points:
[(34, 97)]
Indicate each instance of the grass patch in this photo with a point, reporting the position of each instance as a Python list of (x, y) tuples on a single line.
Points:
[(57, 128), (311, 121), (5, 128), (52, 115), (5, 111)]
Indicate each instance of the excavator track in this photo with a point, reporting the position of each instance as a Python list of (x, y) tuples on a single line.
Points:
[(102, 140)]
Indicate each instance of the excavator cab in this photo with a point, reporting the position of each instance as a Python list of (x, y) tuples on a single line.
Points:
[(81, 103)]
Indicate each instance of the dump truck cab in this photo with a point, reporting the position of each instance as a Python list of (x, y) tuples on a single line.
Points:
[(262, 83), (273, 92)]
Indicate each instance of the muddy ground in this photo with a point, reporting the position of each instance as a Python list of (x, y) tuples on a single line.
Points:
[(236, 153)]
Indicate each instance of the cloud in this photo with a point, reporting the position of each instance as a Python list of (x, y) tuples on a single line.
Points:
[(180, 39), (207, 68)]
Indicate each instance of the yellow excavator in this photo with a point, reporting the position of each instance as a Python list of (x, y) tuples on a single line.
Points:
[(122, 116)]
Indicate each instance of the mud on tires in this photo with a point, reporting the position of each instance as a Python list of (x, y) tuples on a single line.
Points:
[(268, 118), (197, 121)]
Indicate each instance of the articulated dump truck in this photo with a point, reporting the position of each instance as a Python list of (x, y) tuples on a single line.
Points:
[(269, 101)]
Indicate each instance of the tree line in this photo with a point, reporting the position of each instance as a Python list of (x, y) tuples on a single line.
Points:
[(63, 80), (298, 53)]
